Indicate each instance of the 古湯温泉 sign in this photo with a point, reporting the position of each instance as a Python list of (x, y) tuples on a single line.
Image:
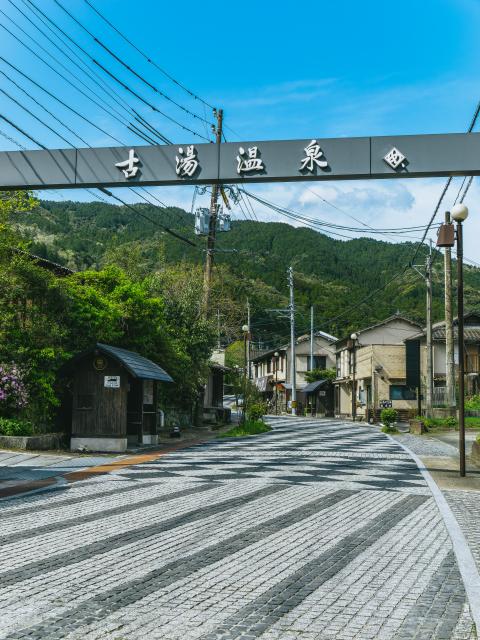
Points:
[(251, 161)]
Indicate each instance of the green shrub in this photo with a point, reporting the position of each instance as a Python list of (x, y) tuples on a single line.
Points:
[(13, 427), (473, 403), (438, 423), (256, 411), (250, 428), (389, 429), (472, 423), (388, 417)]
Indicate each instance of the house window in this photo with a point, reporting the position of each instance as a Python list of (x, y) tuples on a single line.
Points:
[(402, 392), (256, 371), (319, 362), (269, 366)]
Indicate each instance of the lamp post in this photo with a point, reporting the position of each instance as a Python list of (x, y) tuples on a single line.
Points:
[(276, 356), (236, 374), (459, 214), (354, 338), (245, 329)]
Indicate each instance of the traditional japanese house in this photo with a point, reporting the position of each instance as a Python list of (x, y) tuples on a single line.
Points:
[(115, 398)]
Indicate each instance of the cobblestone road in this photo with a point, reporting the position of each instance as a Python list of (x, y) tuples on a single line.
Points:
[(318, 530)]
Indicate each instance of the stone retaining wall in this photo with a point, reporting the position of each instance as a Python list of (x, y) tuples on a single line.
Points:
[(41, 442)]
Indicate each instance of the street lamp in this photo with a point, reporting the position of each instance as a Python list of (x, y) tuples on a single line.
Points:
[(354, 338), (245, 329), (459, 214), (276, 356)]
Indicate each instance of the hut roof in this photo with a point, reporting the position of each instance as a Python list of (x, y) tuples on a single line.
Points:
[(136, 365)]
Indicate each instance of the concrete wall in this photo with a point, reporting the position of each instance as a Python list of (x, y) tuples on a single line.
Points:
[(395, 332), (378, 366)]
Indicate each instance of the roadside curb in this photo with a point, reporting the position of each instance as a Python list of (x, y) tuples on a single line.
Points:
[(465, 559), (86, 473)]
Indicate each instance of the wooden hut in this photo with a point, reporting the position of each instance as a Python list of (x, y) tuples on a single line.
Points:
[(319, 397), (115, 399)]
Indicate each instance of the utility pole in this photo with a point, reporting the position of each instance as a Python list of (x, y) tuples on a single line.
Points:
[(249, 338), (449, 340), (212, 229), (429, 389), (219, 346), (293, 376), (427, 276), (311, 338)]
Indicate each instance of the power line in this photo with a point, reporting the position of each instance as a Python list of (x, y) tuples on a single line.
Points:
[(10, 139), (125, 86), (166, 229), (124, 64), (64, 104), (51, 55), (101, 84), (37, 102), (24, 133), (314, 222), (40, 15), (444, 190), (146, 102), (107, 110), (379, 231), (33, 115), (147, 58)]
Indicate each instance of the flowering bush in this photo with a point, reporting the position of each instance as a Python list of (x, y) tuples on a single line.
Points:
[(13, 393)]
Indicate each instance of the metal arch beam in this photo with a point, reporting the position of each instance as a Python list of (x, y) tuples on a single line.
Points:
[(281, 160)]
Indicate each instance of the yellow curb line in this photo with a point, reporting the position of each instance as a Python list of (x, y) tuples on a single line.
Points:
[(85, 474)]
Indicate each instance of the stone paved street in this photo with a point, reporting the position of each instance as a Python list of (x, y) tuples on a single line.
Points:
[(321, 529)]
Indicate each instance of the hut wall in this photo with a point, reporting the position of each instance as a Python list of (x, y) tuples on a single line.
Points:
[(99, 418)]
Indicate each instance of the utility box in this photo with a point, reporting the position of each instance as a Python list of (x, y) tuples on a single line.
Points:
[(202, 221), (115, 399), (446, 235)]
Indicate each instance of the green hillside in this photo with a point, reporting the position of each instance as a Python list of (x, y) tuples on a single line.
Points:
[(331, 274)]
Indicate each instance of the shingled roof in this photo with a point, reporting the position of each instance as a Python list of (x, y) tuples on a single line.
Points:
[(135, 364)]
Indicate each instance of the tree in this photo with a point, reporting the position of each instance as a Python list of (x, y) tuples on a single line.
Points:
[(320, 374)]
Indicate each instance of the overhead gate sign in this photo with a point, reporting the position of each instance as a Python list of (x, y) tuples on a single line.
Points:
[(417, 156)]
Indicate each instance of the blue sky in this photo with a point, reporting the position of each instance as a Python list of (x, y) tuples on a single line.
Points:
[(279, 70)]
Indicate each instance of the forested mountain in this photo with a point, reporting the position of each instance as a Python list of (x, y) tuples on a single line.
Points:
[(334, 275)]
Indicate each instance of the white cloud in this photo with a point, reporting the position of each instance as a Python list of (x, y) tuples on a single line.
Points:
[(376, 203)]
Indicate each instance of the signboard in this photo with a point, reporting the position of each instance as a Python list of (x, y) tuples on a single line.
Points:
[(322, 393), (385, 404), (243, 162), (112, 382)]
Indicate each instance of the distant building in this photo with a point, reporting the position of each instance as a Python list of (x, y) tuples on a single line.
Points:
[(472, 355), (213, 410), (273, 375), (378, 356)]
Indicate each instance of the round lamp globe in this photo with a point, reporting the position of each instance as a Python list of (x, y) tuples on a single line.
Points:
[(459, 212)]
